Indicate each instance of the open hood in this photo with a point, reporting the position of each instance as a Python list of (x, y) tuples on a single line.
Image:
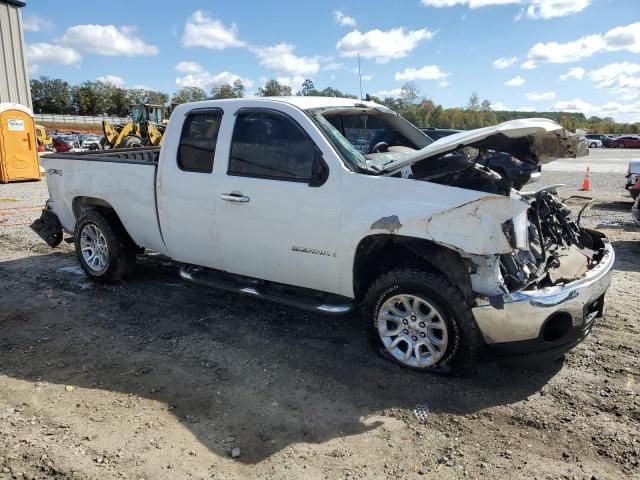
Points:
[(532, 140)]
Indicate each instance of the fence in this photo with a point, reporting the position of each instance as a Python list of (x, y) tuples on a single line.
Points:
[(76, 119)]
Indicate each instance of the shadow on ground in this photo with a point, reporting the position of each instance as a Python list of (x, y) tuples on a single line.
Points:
[(226, 365)]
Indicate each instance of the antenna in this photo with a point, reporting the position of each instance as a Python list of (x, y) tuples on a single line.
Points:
[(360, 76)]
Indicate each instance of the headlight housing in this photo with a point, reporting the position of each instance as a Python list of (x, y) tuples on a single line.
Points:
[(521, 231)]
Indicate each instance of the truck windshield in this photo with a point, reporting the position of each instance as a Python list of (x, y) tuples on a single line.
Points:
[(368, 138)]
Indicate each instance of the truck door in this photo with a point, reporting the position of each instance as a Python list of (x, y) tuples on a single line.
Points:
[(185, 190), (273, 223)]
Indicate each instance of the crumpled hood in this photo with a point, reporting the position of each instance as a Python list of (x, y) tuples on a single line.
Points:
[(533, 140)]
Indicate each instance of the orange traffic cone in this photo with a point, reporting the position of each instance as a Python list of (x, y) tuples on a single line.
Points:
[(586, 183)]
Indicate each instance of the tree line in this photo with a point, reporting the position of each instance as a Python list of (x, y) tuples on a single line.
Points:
[(103, 98)]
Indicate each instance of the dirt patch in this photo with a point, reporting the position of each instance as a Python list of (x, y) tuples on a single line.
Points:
[(155, 378)]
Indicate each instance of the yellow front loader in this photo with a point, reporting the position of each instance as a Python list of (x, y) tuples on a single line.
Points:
[(42, 137), (146, 128)]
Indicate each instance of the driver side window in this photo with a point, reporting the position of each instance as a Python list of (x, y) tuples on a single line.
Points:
[(270, 145)]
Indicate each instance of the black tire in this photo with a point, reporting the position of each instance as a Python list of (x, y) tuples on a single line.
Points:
[(465, 344), (593, 145), (621, 145), (121, 251)]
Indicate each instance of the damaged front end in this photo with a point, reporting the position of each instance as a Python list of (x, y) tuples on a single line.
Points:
[(551, 249), (546, 293)]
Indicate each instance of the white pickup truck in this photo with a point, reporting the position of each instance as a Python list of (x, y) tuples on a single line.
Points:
[(332, 204)]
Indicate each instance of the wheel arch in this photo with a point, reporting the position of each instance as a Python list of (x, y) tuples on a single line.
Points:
[(378, 253), (82, 203)]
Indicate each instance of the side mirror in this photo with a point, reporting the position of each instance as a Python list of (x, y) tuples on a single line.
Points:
[(319, 171)]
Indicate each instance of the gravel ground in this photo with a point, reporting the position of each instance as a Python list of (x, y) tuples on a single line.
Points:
[(155, 378)]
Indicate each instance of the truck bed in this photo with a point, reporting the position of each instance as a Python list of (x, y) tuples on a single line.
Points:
[(123, 179), (146, 155)]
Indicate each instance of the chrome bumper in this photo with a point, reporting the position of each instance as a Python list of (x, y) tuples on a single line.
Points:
[(525, 313)]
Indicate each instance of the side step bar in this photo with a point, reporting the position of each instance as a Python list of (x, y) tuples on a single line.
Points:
[(327, 304)]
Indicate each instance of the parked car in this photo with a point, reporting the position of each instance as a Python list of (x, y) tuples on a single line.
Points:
[(65, 143), (596, 140), (90, 142), (333, 204), (519, 172), (626, 141), (593, 141), (632, 178)]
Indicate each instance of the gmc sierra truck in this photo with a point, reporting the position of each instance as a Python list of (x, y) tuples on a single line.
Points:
[(334, 204)]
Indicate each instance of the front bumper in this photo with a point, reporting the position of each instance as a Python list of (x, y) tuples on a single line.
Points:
[(523, 325)]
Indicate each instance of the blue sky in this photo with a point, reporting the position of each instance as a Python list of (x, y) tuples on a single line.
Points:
[(573, 55)]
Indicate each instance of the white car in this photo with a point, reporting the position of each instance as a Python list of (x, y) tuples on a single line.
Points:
[(332, 204), (594, 143)]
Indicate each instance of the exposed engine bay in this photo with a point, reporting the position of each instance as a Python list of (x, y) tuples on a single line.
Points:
[(559, 251)]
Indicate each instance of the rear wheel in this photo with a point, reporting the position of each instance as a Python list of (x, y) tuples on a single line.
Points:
[(104, 249), (621, 145), (419, 320), (593, 145)]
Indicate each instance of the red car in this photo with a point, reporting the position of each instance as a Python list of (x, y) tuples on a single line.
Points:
[(628, 141)]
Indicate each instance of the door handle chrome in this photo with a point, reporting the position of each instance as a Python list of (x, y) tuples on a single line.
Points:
[(234, 197)]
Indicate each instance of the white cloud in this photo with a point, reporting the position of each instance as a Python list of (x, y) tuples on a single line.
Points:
[(575, 72), (615, 107), (526, 109), (343, 19), (42, 52), (500, 107), (188, 67), (393, 93), (469, 3), (34, 23), (534, 9), (295, 81), (444, 83), (504, 62), (529, 65), (575, 105), (382, 45), (107, 40), (515, 82), (367, 78), (620, 111), (112, 79), (545, 9), (202, 30), (428, 72), (617, 39), (199, 77), (618, 78), (540, 96), (281, 60)]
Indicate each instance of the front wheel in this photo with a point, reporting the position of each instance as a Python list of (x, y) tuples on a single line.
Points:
[(621, 145), (593, 145), (419, 320), (104, 249)]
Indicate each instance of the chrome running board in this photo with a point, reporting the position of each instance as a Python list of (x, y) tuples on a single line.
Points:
[(306, 299)]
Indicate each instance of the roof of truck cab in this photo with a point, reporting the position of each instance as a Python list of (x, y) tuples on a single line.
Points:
[(302, 102), (310, 103)]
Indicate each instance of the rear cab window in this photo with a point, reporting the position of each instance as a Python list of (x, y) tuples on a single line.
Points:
[(198, 141)]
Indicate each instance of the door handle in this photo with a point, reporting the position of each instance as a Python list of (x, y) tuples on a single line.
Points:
[(234, 197)]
